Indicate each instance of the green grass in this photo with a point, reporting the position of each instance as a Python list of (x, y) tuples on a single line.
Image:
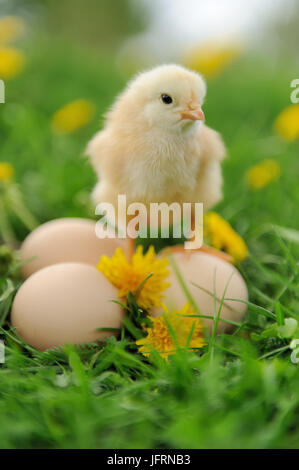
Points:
[(242, 390)]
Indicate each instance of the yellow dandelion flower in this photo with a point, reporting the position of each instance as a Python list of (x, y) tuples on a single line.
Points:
[(287, 123), (12, 62), (11, 27), (6, 171), (211, 59), (262, 174), (188, 333), (222, 236), (73, 116), (127, 276)]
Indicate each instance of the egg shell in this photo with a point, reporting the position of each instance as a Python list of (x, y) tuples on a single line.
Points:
[(65, 303), (206, 270), (65, 240)]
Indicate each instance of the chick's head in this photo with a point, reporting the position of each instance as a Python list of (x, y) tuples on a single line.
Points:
[(169, 97)]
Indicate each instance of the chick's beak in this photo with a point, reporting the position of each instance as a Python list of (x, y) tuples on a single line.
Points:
[(194, 112)]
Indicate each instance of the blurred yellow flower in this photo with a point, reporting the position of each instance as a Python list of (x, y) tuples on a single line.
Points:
[(127, 276), (211, 59), (220, 234), (11, 27), (287, 123), (6, 171), (12, 62), (73, 116), (187, 331), (262, 174)]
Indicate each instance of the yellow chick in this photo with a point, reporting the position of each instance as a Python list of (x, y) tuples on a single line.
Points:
[(155, 146)]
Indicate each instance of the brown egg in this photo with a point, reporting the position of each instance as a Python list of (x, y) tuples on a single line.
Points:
[(205, 271), (65, 240), (65, 303)]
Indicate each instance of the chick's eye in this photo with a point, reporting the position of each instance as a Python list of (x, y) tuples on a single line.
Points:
[(166, 98)]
